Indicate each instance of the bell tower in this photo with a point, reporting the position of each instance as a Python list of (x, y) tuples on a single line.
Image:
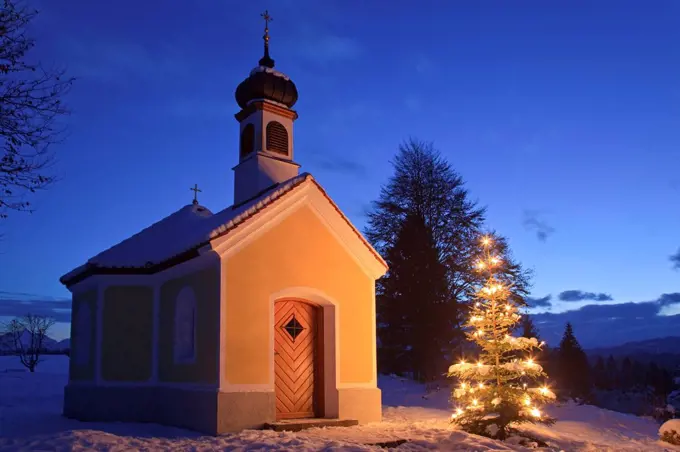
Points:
[(266, 118)]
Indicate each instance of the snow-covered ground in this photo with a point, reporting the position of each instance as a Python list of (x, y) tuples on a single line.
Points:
[(30, 419)]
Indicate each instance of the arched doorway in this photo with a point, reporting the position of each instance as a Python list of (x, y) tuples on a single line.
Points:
[(298, 359)]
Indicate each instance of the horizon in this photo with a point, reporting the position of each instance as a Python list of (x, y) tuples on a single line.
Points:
[(562, 119)]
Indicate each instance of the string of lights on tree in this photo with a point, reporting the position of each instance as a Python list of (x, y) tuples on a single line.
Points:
[(500, 388)]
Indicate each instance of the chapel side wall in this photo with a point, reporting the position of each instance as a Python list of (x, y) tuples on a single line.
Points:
[(127, 333), (300, 251), (205, 284), (128, 389), (84, 371)]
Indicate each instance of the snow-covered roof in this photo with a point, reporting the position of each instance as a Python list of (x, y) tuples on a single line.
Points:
[(187, 229), (190, 227), (269, 70)]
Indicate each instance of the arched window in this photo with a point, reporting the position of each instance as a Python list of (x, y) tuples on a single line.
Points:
[(277, 138), (185, 326), (247, 140), (83, 333)]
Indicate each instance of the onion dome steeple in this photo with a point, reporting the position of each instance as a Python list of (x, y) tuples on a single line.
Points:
[(266, 120), (264, 82)]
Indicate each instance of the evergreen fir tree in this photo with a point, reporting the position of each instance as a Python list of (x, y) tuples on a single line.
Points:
[(528, 328), (638, 375), (626, 374), (600, 374), (658, 379), (666, 383), (612, 373), (492, 393), (574, 374), (508, 271), (425, 184), (413, 302)]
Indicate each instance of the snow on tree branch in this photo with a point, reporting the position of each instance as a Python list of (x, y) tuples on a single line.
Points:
[(494, 392)]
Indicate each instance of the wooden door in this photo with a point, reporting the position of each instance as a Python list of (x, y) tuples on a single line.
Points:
[(296, 359)]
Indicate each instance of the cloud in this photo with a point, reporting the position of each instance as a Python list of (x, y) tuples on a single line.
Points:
[(15, 304), (669, 299), (24, 296), (670, 310), (579, 295), (340, 165), (533, 222), (675, 260), (543, 302), (622, 323)]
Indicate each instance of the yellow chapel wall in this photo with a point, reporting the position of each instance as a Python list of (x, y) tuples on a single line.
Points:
[(298, 252)]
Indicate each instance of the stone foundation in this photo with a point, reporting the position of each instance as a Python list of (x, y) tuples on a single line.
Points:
[(362, 404), (208, 411), (240, 410), (186, 408)]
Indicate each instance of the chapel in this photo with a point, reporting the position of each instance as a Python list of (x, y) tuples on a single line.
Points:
[(254, 315)]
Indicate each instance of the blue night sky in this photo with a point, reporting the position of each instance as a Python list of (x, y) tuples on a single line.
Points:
[(563, 117)]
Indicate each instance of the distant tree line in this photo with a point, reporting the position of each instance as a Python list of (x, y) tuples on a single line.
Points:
[(624, 384), (631, 375)]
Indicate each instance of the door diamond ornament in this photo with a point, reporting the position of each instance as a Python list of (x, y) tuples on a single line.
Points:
[(293, 328)]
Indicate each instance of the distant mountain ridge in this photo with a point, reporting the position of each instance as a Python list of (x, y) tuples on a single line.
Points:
[(663, 351), (608, 326), (7, 342), (670, 345)]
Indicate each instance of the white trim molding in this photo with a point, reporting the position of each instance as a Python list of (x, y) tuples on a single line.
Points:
[(183, 341), (222, 330), (99, 335), (309, 194), (256, 226), (156, 334)]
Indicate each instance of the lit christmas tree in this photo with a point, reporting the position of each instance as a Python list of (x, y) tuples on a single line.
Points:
[(500, 388)]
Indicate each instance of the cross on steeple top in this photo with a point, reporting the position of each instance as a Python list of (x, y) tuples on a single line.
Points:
[(266, 59), (196, 191), (267, 18)]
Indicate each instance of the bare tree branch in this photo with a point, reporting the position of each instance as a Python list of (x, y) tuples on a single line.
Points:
[(28, 335), (30, 104)]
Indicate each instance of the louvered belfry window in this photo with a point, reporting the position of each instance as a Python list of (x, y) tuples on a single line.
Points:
[(277, 138), (247, 140)]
